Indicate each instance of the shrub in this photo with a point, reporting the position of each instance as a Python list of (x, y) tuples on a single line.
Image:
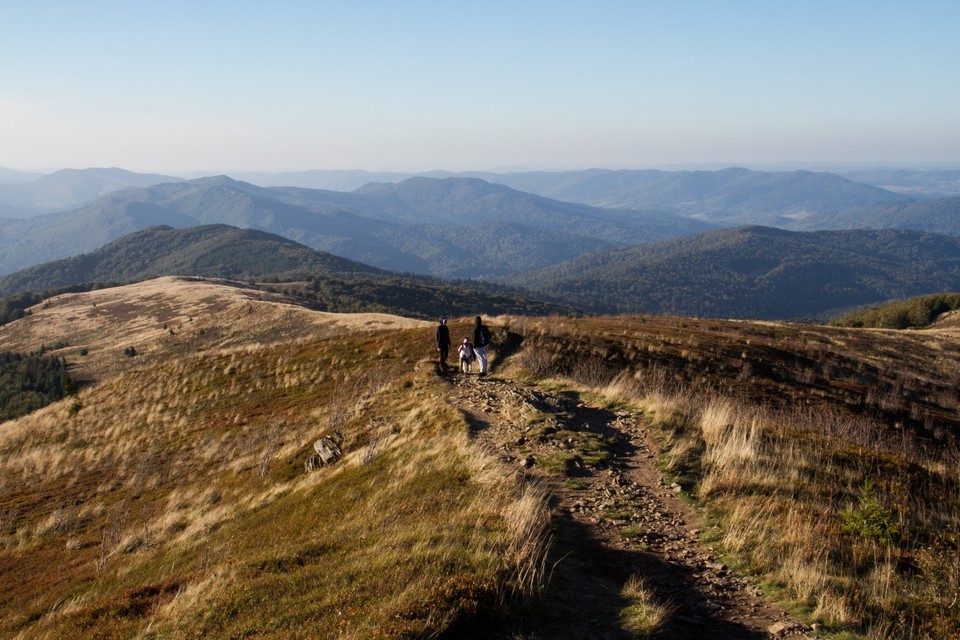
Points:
[(870, 520)]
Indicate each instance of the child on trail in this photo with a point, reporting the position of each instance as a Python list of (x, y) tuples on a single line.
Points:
[(466, 356)]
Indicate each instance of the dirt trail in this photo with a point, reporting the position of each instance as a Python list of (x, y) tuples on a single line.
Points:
[(616, 513)]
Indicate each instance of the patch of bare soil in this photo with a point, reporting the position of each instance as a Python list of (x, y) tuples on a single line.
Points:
[(615, 515)]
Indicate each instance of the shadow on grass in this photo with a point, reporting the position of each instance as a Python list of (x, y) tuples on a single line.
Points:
[(583, 595)]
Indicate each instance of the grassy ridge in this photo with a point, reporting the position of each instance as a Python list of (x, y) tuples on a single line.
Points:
[(833, 481), (170, 498), (173, 502)]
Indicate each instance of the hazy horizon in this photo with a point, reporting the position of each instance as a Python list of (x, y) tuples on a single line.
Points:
[(825, 166), (180, 87)]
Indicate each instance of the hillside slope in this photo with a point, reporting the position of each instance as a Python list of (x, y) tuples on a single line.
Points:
[(756, 272), (321, 280), (211, 250), (171, 496)]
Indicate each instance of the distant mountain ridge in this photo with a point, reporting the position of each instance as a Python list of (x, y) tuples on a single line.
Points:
[(426, 226), (919, 183), (69, 188), (756, 273), (941, 215), (733, 196)]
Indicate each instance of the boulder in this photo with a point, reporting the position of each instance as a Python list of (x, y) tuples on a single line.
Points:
[(327, 449)]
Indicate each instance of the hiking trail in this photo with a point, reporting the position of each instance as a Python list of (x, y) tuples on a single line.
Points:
[(614, 512)]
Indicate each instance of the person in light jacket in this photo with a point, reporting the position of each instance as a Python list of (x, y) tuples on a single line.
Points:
[(481, 338)]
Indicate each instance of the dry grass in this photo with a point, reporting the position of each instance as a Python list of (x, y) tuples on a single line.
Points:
[(827, 459), (174, 502), (171, 499)]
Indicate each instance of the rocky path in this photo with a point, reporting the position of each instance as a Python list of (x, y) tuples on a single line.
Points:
[(618, 516)]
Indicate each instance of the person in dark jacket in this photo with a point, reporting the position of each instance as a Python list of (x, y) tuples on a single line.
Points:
[(481, 338), (443, 343)]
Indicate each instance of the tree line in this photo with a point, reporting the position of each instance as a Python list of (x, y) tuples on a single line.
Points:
[(31, 381)]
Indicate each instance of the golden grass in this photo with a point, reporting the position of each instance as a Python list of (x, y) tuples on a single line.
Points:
[(806, 445), (776, 483), (171, 498), (174, 502)]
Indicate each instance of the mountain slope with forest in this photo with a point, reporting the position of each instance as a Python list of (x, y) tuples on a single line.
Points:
[(756, 272), (321, 280), (449, 228)]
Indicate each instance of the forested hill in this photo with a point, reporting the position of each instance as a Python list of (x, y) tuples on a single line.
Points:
[(211, 250), (325, 281), (757, 272)]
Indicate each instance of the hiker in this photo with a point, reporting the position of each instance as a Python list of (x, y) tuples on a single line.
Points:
[(443, 342), (466, 356), (481, 338)]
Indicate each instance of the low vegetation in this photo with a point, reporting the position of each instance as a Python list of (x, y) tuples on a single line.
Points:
[(842, 502), (915, 313), (171, 498), (172, 501)]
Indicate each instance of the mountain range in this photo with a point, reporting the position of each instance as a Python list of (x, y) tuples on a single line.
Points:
[(67, 188), (664, 255), (454, 228), (747, 272)]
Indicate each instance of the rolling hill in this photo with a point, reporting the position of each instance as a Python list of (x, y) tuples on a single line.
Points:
[(324, 281), (756, 272)]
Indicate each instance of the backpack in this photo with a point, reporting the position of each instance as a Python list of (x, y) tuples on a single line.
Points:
[(484, 336), (468, 353)]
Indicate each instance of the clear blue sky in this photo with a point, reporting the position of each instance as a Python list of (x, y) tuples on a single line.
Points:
[(414, 85)]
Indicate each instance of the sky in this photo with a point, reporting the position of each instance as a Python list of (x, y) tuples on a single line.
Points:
[(409, 85)]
